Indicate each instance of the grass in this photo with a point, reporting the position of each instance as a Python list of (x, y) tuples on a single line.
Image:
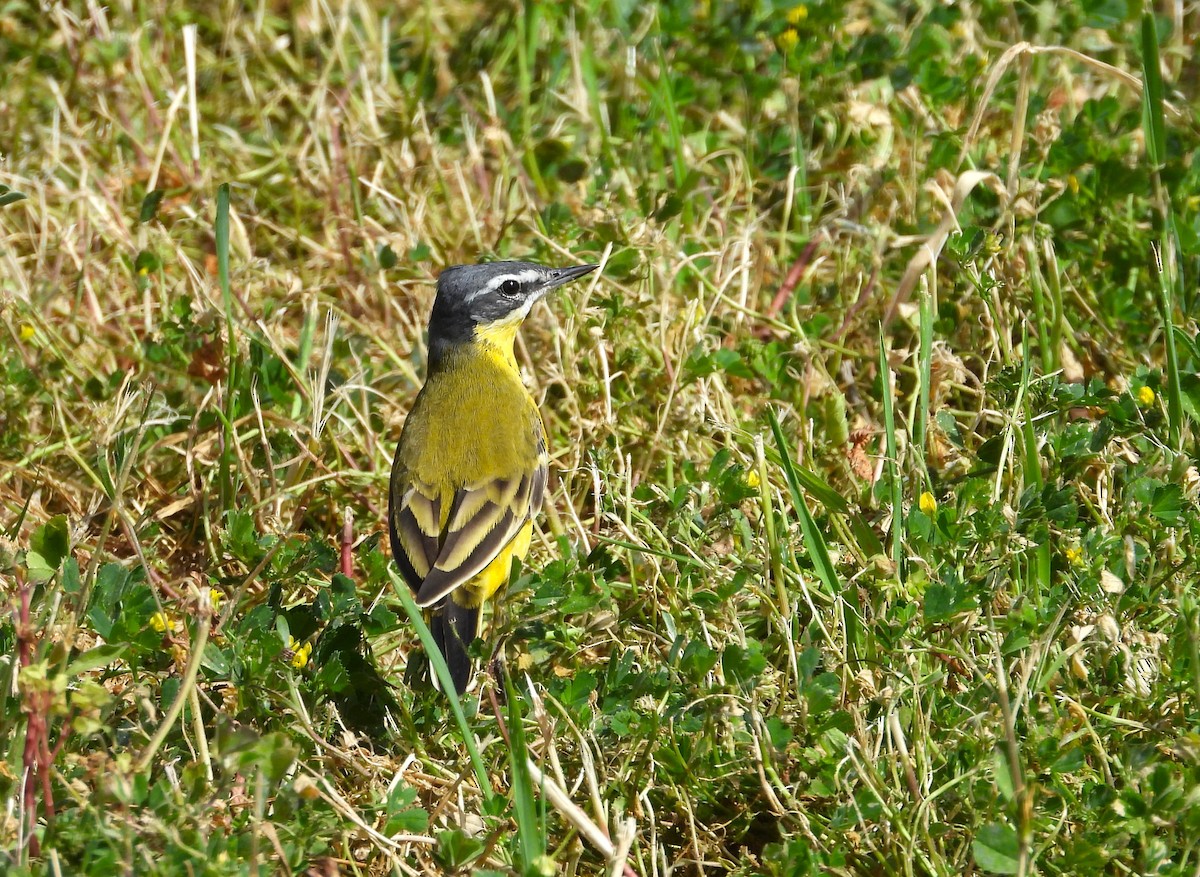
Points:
[(871, 542)]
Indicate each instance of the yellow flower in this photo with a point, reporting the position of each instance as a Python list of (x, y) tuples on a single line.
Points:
[(1075, 555), (300, 659), (25, 332), (797, 14), (162, 622), (788, 40), (1145, 395), (927, 503), (752, 479), (214, 600), (1073, 184), (300, 653)]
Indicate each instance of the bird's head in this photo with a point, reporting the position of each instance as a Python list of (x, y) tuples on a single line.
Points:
[(490, 301)]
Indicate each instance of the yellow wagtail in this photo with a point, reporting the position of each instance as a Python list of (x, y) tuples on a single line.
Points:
[(470, 469)]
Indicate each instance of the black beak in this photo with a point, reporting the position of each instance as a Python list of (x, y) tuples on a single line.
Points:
[(559, 276)]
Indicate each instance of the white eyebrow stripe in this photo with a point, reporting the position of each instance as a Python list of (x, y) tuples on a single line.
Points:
[(522, 277)]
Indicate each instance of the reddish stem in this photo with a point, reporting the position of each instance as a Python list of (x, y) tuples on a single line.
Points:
[(36, 758), (793, 277), (348, 546)]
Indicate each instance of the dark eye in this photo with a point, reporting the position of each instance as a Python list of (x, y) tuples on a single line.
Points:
[(510, 288)]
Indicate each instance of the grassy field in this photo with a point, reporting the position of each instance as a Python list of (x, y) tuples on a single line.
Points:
[(871, 542)]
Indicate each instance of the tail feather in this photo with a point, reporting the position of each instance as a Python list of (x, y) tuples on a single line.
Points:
[(454, 627)]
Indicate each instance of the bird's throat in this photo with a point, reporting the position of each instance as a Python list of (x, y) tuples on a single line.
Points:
[(496, 341), (492, 343)]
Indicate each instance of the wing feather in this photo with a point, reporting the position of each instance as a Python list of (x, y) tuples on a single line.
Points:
[(416, 532), (537, 491), (473, 541)]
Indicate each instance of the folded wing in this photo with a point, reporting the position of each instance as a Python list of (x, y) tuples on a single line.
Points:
[(440, 552)]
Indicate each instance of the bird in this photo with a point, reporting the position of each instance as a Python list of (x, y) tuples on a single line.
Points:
[(469, 474)]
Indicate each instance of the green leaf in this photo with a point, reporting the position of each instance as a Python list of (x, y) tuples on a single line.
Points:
[(71, 583), (150, 205), (216, 660), (403, 817), (241, 538), (101, 622), (779, 731), (1069, 762), (10, 196), (456, 849), (380, 620), (946, 598), (822, 693), (1002, 773), (939, 602), (731, 362), (52, 541), (1082, 856), (808, 662), (743, 665), (1166, 504), (1190, 387), (276, 753), (834, 424), (146, 263), (1105, 13), (697, 660), (792, 858), (332, 676), (414, 820), (996, 848), (99, 656), (37, 567)]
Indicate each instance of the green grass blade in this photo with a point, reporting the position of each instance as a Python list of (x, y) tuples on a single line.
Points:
[(924, 371), (814, 542), (531, 829), (1038, 574), (893, 463), (438, 663), (820, 489), (227, 464), (669, 109), (1166, 307), (1170, 280), (1152, 93)]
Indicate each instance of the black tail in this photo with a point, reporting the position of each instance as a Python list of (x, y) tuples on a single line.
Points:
[(453, 628)]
